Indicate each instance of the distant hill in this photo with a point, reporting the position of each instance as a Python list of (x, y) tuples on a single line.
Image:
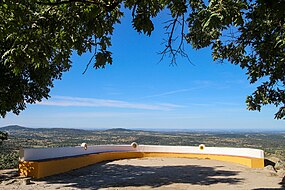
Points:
[(17, 128), (119, 130), (14, 128)]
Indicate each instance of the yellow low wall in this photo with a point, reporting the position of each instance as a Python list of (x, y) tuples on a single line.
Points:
[(40, 169), (247, 161)]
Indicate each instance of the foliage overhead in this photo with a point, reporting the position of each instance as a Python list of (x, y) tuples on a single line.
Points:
[(38, 37)]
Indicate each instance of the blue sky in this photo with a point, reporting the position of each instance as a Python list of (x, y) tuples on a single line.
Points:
[(138, 92)]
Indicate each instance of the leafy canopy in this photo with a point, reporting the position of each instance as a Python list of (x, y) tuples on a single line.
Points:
[(38, 37)]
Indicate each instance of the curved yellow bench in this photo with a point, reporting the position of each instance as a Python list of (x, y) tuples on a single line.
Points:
[(39, 163)]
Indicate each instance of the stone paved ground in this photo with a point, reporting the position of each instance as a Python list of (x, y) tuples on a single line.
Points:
[(152, 173)]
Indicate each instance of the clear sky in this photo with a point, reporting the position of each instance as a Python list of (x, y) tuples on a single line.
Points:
[(138, 92)]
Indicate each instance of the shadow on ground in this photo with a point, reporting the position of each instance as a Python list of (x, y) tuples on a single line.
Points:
[(112, 175), (268, 162), (8, 174)]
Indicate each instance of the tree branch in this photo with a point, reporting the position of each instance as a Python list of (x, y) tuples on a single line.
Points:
[(172, 50), (67, 2), (108, 7), (95, 52)]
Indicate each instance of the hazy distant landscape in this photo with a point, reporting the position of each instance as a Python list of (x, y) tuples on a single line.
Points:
[(273, 143)]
